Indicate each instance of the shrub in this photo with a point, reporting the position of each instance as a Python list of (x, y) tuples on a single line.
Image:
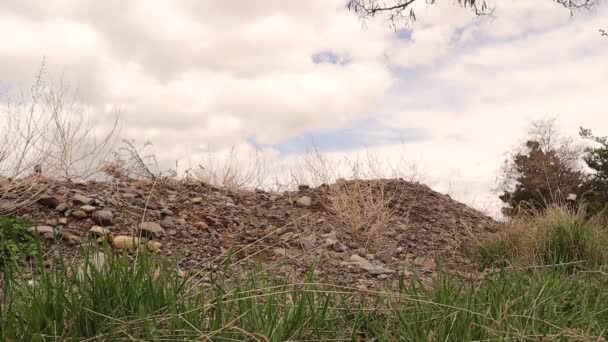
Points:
[(16, 242)]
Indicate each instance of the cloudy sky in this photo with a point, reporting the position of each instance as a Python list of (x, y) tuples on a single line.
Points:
[(447, 95)]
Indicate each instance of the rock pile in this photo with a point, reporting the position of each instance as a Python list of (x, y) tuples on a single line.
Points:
[(200, 223)]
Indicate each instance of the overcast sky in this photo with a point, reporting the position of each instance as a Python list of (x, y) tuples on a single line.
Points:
[(450, 93)]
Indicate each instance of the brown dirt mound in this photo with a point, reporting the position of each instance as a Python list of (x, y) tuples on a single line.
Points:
[(332, 226)]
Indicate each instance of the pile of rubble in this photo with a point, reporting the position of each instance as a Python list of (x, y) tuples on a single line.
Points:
[(296, 230)]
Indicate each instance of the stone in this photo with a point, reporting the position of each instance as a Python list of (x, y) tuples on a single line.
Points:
[(98, 231), (166, 212), (303, 187), (330, 238), (424, 262), (197, 200), (49, 201), (154, 246), (385, 257), (79, 214), (103, 217), (304, 201), (79, 199), (201, 225), (309, 242), (339, 247), (367, 266), (62, 221), (62, 207), (151, 229), (70, 238), (87, 208), (125, 242), (43, 229)]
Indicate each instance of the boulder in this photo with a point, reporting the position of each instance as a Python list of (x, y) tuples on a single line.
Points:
[(304, 201), (103, 217), (151, 229)]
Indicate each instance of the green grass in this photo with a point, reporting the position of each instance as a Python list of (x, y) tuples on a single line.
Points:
[(140, 297)]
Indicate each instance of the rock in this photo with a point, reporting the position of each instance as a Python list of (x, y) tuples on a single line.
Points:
[(49, 201), (62, 221), (154, 246), (87, 208), (98, 231), (129, 195), (424, 262), (103, 217), (79, 214), (79, 199), (385, 257), (368, 266), (330, 238), (71, 238), (62, 207), (304, 201), (309, 242), (197, 200), (43, 229), (303, 187), (201, 225), (151, 229), (339, 247), (166, 212), (281, 252), (125, 242)]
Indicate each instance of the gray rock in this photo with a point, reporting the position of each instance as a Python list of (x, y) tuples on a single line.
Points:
[(367, 266), (197, 200), (385, 257), (103, 217), (304, 201), (151, 229), (339, 247), (49, 201), (309, 242), (79, 199)]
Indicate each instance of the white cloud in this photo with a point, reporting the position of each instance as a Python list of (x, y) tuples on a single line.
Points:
[(196, 76)]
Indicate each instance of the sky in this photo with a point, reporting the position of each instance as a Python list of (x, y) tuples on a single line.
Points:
[(443, 98)]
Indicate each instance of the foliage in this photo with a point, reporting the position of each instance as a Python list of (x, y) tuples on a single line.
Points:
[(541, 179), (16, 242), (596, 159)]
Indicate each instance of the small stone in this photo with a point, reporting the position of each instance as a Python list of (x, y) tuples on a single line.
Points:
[(330, 238), (172, 232), (151, 229), (303, 187), (43, 229), (181, 273), (71, 238), (98, 231), (49, 201), (424, 262), (309, 242), (201, 225), (62, 221), (125, 242), (103, 217), (79, 214), (304, 201), (166, 212), (87, 208), (197, 200), (154, 246), (385, 257), (339, 247), (79, 199), (367, 266), (62, 207)]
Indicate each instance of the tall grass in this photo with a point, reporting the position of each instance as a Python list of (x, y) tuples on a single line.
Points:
[(141, 297)]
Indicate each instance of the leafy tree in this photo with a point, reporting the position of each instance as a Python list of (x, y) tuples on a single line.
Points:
[(596, 158), (545, 171)]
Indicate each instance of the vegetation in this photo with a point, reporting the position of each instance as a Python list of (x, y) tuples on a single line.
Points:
[(141, 297), (16, 242)]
